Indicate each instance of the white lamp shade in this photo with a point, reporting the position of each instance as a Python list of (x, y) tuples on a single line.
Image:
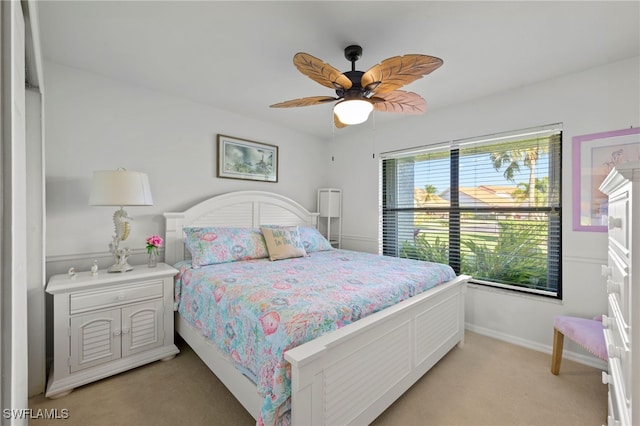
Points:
[(353, 111), (329, 204), (120, 188)]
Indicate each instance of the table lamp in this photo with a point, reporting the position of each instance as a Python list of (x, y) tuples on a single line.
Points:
[(120, 188)]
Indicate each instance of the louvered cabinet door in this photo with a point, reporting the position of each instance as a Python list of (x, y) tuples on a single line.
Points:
[(142, 327), (95, 339)]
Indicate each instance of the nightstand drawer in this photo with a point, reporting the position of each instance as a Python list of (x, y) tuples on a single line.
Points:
[(113, 296)]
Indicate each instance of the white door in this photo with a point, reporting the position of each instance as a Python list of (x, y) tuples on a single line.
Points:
[(13, 232)]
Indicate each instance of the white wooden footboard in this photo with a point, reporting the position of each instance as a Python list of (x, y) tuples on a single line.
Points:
[(352, 375)]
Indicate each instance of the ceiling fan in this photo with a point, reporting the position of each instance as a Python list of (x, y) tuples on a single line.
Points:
[(360, 92)]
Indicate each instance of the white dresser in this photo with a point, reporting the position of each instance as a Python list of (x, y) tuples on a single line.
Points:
[(622, 273), (108, 323)]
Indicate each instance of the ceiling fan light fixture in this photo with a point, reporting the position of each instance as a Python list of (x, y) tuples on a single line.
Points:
[(353, 111), (358, 93)]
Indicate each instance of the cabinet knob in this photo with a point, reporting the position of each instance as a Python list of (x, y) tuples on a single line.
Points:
[(613, 287), (605, 271), (615, 351), (125, 331), (116, 332), (615, 222), (606, 378), (120, 297), (608, 322)]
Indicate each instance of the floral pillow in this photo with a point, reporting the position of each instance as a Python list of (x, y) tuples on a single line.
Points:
[(283, 242), (312, 239), (211, 245)]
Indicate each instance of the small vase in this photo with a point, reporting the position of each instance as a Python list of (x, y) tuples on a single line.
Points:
[(153, 259)]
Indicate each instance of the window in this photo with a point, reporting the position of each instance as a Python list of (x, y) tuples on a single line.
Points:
[(490, 207)]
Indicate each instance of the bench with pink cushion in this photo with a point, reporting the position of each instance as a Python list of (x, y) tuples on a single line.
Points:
[(587, 333)]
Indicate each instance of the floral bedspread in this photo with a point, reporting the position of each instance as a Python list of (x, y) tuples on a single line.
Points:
[(256, 310)]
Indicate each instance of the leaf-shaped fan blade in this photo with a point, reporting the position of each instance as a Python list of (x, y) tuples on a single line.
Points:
[(393, 73), (400, 101), (321, 72), (339, 124), (311, 100)]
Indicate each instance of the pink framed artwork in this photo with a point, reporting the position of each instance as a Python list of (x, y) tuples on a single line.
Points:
[(594, 156)]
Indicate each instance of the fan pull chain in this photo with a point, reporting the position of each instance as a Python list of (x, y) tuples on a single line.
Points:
[(373, 120), (333, 136)]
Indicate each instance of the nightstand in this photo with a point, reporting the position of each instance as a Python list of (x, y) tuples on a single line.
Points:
[(109, 323)]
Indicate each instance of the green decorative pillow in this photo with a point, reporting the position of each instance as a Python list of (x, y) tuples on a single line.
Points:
[(283, 242)]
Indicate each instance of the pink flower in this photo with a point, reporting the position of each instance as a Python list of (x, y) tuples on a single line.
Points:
[(153, 243), (154, 240)]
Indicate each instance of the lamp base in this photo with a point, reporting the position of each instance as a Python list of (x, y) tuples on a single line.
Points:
[(121, 256), (120, 268)]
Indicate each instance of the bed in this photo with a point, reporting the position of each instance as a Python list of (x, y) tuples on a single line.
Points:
[(349, 375)]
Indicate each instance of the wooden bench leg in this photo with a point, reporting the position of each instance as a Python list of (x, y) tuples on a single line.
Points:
[(556, 356)]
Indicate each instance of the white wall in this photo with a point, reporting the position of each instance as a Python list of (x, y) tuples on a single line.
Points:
[(96, 123), (595, 100)]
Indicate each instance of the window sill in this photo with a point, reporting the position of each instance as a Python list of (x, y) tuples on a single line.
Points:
[(515, 293)]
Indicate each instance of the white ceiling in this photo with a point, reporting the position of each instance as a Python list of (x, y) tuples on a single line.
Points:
[(237, 56)]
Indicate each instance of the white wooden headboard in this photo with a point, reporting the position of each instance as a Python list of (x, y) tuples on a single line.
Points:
[(248, 209)]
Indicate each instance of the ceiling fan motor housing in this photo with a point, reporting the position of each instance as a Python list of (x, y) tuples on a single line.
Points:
[(356, 90)]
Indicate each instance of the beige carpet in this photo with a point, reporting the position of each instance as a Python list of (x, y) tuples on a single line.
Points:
[(486, 382)]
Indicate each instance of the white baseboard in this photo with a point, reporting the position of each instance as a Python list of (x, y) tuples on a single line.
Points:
[(591, 361)]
